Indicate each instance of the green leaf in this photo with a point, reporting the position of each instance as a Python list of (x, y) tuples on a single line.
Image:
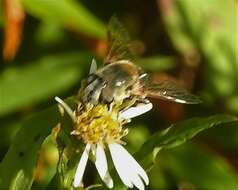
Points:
[(39, 80), (202, 169), (17, 167), (67, 13), (178, 134), (225, 137)]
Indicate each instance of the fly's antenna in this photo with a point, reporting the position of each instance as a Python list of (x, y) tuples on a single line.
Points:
[(66, 107)]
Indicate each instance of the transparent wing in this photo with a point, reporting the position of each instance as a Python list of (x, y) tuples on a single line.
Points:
[(168, 90), (118, 42)]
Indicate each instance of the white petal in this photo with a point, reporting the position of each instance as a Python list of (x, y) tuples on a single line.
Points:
[(120, 165), (101, 165), (81, 166), (66, 107), (130, 163), (137, 181), (135, 111)]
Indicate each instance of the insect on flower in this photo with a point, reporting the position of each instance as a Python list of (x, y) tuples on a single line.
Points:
[(109, 97)]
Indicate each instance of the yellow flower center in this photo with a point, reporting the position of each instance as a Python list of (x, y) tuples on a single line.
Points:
[(99, 124)]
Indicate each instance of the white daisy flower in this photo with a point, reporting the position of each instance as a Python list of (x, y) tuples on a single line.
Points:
[(100, 128)]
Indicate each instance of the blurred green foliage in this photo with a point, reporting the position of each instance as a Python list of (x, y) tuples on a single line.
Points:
[(188, 163), (15, 81), (195, 41), (17, 168), (209, 28), (1, 16), (67, 13), (151, 63)]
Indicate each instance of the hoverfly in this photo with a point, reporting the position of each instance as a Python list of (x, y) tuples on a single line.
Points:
[(121, 79)]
